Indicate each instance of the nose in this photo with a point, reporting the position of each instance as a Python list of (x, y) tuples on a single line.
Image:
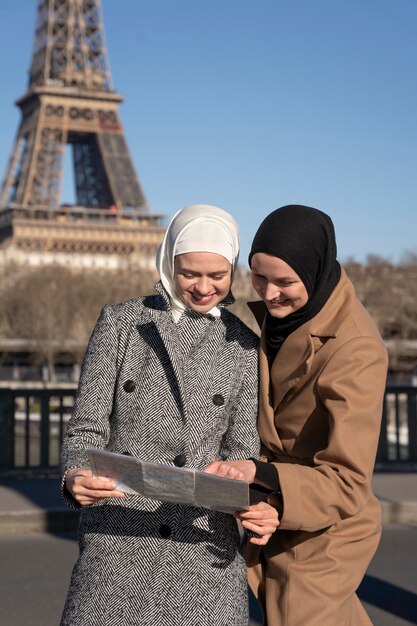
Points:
[(203, 285), (271, 292)]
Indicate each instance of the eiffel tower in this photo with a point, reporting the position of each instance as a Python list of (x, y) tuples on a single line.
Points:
[(70, 100)]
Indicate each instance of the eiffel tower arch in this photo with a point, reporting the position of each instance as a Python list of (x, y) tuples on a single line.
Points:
[(70, 100)]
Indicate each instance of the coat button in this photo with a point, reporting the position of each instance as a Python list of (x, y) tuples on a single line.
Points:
[(165, 531), (180, 460), (218, 399), (129, 386)]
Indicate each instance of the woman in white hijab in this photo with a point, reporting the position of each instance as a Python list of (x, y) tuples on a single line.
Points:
[(210, 234), (169, 378)]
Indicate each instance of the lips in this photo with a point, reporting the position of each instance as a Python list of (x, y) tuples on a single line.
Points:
[(279, 302), (201, 299)]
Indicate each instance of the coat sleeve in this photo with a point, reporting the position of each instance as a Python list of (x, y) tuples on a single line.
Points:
[(89, 425), (351, 388), (241, 440)]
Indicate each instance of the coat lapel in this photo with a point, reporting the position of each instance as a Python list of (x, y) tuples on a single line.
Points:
[(160, 334), (266, 418), (295, 358), (292, 362)]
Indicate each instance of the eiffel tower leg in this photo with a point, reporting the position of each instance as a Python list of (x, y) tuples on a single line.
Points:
[(15, 182), (121, 173), (44, 183)]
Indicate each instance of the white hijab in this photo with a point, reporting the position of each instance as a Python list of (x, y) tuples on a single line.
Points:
[(196, 228)]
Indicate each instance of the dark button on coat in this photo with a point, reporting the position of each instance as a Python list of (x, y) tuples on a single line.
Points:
[(165, 531), (129, 386), (180, 460), (218, 399)]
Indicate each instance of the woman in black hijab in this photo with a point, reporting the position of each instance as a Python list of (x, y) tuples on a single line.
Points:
[(322, 380), (306, 242)]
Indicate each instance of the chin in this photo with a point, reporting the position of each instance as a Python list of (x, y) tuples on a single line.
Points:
[(201, 309), (278, 314)]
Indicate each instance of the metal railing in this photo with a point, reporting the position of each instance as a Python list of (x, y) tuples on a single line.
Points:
[(32, 426), (33, 423), (397, 447)]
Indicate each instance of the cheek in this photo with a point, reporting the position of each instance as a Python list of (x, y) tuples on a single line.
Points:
[(227, 286), (180, 284), (303, 297), (256, 285)]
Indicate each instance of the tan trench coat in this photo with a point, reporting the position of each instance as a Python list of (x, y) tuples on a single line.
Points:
[(319, 422)]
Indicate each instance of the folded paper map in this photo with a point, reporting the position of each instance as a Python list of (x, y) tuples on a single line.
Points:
[(170, 484)]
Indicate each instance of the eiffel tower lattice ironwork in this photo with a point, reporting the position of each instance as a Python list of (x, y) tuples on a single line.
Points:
[(70, 100)]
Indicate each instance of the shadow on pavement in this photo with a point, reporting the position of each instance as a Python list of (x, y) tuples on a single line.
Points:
[(389, 598), (35, 504)]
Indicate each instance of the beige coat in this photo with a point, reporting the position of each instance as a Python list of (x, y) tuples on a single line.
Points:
[(319, 422)]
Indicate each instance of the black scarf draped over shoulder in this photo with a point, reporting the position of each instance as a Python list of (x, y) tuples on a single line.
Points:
[(304, 238)]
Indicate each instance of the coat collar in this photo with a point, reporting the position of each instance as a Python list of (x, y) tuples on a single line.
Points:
[(295, 356)]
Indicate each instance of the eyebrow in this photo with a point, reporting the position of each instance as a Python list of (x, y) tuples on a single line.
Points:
[(195, 272), (274, 277)]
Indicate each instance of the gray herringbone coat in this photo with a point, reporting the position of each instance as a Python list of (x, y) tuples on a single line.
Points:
[(169, 394)]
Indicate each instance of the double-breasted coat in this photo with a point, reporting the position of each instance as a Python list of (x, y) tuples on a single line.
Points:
[(319, 422), (183, 394)]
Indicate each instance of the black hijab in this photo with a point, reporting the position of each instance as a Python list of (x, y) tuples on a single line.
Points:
[(304, 238)]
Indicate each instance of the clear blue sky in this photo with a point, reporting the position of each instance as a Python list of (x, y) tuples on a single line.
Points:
[(253, 104)]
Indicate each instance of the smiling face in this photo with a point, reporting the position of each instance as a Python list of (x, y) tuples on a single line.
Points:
[(277, 284), (202, 279)]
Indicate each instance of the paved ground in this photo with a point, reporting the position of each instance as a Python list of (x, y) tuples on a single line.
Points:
[(38, 551), (35, 570)]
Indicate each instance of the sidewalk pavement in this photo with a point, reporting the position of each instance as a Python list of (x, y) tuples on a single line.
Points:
[(35, 504)]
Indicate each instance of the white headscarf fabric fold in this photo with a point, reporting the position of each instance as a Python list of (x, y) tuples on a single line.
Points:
[(196, 228)]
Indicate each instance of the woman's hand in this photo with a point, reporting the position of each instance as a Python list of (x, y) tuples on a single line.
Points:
[(238, 470), (262, 519), (87, 489)]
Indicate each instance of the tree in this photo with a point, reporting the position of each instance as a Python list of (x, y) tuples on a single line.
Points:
[(53, 309)]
